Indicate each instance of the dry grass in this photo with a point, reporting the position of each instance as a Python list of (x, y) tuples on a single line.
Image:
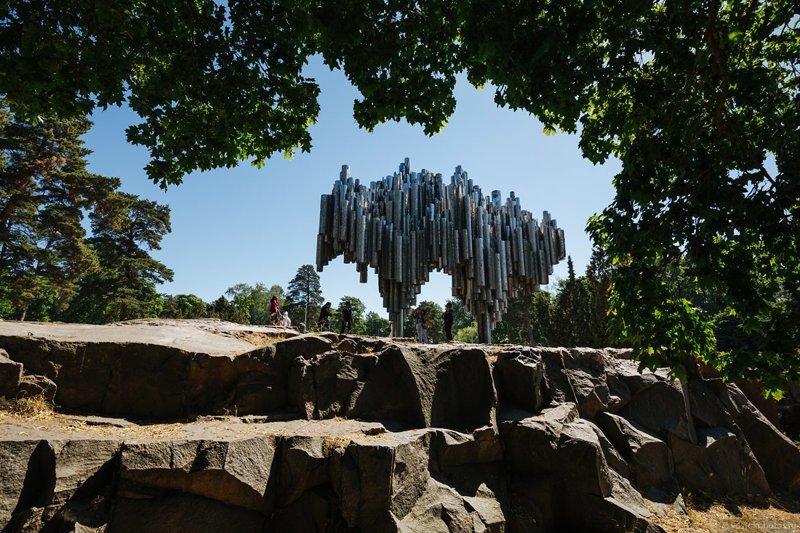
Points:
[(33, 407), (331, 443), (259, 339), (779, 513)]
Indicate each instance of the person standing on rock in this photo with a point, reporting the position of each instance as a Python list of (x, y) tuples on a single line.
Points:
[(347, 318), (324, 321), (274, 311), (422, 332), (448, 321)]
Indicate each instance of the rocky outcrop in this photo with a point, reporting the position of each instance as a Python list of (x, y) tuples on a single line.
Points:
[(333, 433)]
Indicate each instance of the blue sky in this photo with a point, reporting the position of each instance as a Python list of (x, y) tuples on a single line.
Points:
[(248, 225)]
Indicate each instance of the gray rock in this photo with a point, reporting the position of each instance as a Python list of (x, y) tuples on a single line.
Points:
[(77, 462), (439, 457), (582, 463), (44, 481), (557, 386), (229, 471), (361, 478), (519, 377), (257, 384), (627, 371), (182, 512), (646, 454), (488, 509), (623, 510), (10, 375), (613, 457), (37, 519), (530, 445), (618, 392), (767, 406), (153, 369), (302, 395), (719, 465), (440, 509), (32, 385), (464, 397), (357, 345), (776, 453), (659, 407), (706, 407), (586, 373), (311, 512), (451, 448), (15, 456), (531, 504), (302, 466), (429, 388), (307, 345), (337, 380), (396, 389), (569, 455), (410, 475)]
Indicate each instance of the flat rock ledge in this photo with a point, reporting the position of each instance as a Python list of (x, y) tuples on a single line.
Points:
[(170, 425)]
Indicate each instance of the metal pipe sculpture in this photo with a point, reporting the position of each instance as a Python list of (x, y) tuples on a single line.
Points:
[(408, 224)]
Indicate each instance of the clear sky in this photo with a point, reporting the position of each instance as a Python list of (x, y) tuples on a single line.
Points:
[(248, 225)]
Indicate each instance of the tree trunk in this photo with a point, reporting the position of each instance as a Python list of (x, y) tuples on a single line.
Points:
[(688, 408)]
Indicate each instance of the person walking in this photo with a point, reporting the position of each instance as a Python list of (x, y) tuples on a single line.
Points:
[(347, 318), (324, 321), (274, 311), (422, 330), (448, 321)]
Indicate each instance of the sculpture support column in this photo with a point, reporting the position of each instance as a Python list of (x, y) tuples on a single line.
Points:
[(397, 319)]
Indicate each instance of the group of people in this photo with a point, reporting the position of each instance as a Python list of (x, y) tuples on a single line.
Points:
[(276, 316), (421, 319), (279, 318), (345, 320)]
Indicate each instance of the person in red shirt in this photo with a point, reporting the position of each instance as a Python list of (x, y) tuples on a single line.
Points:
[(273, 310)]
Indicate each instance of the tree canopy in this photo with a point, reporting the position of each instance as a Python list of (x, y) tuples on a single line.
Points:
[(49, 267), (251, 303), (44, 189), (123, 286), (304, 296), (697, 99), (357, 310)]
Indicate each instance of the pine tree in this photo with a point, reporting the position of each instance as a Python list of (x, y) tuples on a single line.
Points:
[(224, 310), (598, 279), (123, 286), (571, 320), (44, 190), (541, 314), (304, 299)]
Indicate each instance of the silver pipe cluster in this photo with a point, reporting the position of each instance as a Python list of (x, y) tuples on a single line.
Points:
[(408, 224)]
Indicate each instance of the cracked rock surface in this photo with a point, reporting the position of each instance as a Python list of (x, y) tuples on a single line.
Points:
[(209, 426)]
